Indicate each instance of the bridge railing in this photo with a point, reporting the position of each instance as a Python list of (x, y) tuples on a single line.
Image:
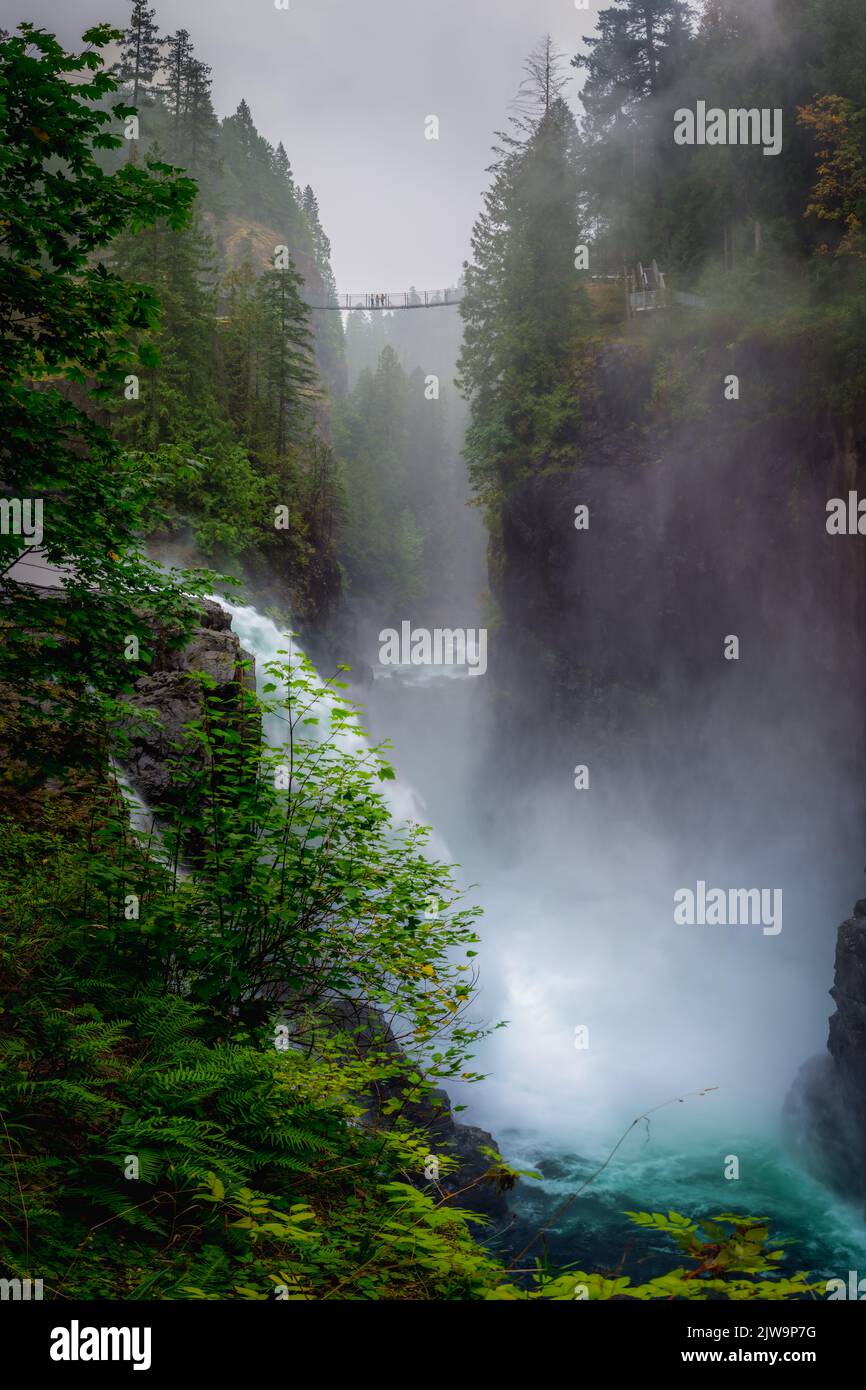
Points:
[(400, 299), (646, 288), (640, 301)]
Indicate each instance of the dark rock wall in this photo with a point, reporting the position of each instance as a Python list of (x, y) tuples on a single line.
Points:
[(700, 525), (432, 1113), (172, 692), (825, 1112)]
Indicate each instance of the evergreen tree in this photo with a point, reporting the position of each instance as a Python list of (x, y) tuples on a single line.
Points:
[(330, 339), (382, 556), (282, 167), (408, 557), (242, 346), (430, 490), (362, 347), (323, 496), (290, 369), (177, 398), (523, 308), (626, 61), (179, 52), (263, 177), (641, 50), (199, 124), (242, 123), (140, 55), (321, 243)]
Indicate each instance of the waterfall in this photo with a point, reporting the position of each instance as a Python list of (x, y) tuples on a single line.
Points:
[(266, 642), (143, 821), (556, 931)]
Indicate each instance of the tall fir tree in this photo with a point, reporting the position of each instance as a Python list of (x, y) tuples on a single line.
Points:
[(633, 63), (199, 123), (283, 169), (177, 399), (291, 373), (178, 53), (321, 243), (242, 123), (626, 58), (376, 446), (141, 53), (524, 307), (242, 343)]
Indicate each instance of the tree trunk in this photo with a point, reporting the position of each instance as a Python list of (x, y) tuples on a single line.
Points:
[(650, 43)]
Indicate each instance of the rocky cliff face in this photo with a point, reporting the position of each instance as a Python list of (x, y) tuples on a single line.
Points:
[(825, 1112), (432, 1113), (172, 695), (705, 517)]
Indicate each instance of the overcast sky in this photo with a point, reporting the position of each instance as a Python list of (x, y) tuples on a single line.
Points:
[(346, 85)]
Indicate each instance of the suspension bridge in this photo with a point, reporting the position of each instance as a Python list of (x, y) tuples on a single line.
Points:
[(402, 299), (645, 290)]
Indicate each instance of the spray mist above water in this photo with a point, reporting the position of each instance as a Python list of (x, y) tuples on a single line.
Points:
[(612, 1005)]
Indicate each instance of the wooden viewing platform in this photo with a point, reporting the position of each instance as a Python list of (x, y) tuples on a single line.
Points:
[(646, 289)]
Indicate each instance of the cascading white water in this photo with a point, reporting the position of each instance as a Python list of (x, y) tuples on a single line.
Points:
[(266, 642), (142, 820), (578, 938)]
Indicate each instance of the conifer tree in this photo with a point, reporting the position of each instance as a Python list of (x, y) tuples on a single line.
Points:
[(242, 122), (241, 345), (290, 370), (328, 330), (179, 51), (543, 82), (141, 54), (381, 539), (177, 399), (283, 168), (524, 308), (321, 243), (626, 57), (200, 124)]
